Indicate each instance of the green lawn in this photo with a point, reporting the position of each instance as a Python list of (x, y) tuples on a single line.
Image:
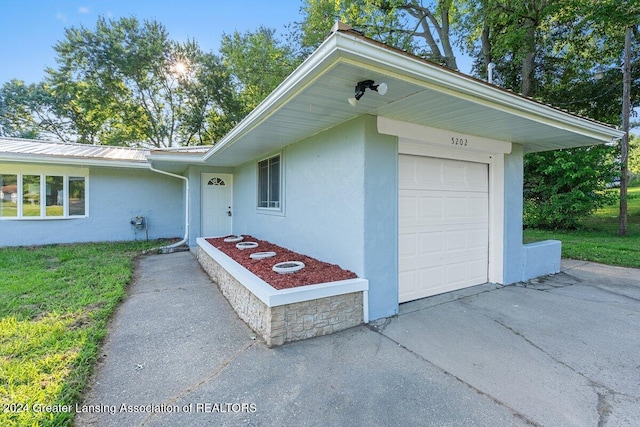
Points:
[(599, 241), (55, 302)]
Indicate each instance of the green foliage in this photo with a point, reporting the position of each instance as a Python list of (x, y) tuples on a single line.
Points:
[(634, 156), (564, 186), (127, 82), (549, 50), (420, 27), (598, 239), (258, 62), (55, 302), (25, 111)]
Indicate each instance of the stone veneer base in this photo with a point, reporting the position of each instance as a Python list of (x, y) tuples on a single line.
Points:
[(285, 315)]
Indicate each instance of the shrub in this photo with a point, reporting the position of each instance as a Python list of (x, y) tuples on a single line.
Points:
[(561, 187)]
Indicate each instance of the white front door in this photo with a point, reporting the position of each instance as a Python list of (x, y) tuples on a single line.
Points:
[(216, 199), (443, 225)]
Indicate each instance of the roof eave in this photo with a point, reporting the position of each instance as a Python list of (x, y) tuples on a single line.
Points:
[(304, 75), (462, 86), (72, 161), (177, 158), (345, 44)]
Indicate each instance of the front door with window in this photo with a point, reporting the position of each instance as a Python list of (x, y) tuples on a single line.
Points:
[(216, 204)]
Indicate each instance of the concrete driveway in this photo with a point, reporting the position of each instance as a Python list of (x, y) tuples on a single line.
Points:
[(561, 351)]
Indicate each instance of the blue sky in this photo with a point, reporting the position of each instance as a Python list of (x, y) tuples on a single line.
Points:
[(30, 28)]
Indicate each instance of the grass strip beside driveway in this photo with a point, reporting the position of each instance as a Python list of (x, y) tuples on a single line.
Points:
[(55, 302), (598, 238)]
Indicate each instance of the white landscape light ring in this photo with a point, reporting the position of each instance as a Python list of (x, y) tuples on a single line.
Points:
[(233, 239), (247, 245), (262, 255), (288, 267)]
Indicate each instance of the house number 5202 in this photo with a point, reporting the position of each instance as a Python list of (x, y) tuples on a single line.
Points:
[(459, 141)]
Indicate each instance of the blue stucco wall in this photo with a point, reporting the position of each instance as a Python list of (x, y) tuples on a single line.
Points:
[(340, 196), (513, 185), (323, 213), (381, 220), (523, 262), (115, 196)]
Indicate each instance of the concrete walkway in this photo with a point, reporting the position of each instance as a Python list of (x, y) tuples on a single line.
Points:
[(561, 351)]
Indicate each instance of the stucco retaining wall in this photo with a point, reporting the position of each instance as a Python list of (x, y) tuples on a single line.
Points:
[(278, 324)]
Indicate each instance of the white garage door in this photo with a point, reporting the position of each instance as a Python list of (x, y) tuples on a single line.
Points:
[(443, 225)]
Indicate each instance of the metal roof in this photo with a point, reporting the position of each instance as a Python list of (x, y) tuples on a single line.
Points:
[(17, 149)]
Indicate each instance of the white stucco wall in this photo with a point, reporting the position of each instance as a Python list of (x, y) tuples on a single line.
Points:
[(115, 196)]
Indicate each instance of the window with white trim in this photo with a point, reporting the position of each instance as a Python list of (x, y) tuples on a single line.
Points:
[(269, 183), (32, 195)]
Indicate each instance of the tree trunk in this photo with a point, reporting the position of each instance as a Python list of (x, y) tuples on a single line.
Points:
[(624, 144), (529, 61)]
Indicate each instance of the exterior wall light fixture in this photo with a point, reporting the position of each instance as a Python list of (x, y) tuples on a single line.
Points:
[(362, 86)]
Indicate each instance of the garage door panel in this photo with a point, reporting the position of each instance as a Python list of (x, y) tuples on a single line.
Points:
[(407, 207), (456, 241), (443, 225), (479, 207), (439, 258), (477, 270), (430, 173), (431, 242), (431, 206), (477, 239), (457, 207), (408, 244)]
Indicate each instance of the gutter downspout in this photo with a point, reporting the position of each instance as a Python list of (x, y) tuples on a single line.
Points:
[(170, 248)]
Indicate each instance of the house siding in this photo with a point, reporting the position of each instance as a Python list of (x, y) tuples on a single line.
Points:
[(115, 196)]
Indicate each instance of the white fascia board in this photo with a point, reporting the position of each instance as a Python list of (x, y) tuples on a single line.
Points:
[(77, 161), (177, 158), (458, 85)]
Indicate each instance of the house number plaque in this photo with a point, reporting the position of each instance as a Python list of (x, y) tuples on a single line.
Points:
[(461, 142)]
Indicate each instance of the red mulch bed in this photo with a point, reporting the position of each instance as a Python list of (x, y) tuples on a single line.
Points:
[(314, 271)]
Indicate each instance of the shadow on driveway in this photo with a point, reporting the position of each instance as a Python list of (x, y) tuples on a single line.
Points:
[(559, 351)]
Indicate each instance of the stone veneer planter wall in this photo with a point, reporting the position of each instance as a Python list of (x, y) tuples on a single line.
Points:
[(285, 315)]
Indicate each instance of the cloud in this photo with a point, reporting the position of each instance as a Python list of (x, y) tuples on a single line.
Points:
[(83, 10), (61, 17)]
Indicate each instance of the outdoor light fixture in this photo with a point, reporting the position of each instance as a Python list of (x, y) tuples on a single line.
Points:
[(362, 86)]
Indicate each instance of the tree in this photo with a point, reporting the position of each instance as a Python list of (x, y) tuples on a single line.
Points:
[(127, 83), (419, 27), (563, 186), (15, 115), (549, 50), (26, 112), (634, 156), (258, 63)]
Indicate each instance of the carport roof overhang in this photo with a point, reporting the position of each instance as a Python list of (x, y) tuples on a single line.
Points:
[(314, 98)]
